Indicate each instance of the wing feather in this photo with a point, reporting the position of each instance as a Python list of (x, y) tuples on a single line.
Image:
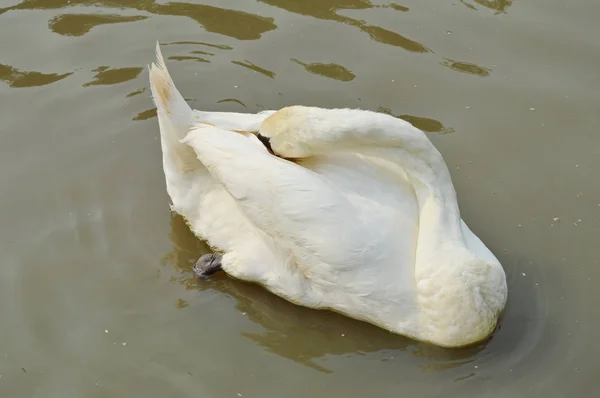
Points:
[(295, 205)]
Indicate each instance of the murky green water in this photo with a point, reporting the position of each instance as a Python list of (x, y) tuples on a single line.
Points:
[(97, 297)]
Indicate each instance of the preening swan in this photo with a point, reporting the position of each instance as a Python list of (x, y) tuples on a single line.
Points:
[(348, 210)]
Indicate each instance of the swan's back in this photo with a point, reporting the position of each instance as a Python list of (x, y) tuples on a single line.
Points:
[(337, 229), (387, 216)]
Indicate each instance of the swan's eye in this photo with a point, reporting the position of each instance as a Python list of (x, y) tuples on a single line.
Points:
[(266, 141)]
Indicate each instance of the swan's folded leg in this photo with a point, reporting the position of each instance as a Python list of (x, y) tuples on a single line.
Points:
[(208, 264)]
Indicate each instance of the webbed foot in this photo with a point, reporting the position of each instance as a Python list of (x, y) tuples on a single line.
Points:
[(208, 264)]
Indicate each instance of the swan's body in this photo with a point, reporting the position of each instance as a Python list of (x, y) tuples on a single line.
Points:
[(364, 221)]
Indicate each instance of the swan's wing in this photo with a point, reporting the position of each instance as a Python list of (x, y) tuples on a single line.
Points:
[(233, 120), (297, 207)]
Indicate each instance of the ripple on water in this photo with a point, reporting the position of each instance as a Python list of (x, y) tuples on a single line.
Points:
[(500, 6), (233, 23), (145, 115), (466, 67), (107, 76), (233, 100), (398, 7), (422, 123), (16, 78), (200, 52), (187, 58), (236, 24), (219, 20), (196, 54), (328, 9), (136, 92), (385, 36), (331, 70), (249, 65), (199, 43), (80, 24)]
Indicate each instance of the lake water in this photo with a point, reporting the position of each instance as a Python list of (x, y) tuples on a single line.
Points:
[(97, 297)]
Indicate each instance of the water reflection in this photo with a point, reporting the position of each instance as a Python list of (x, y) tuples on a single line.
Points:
[(196, 55), (145, 115), (426, 124), (136, 92), (245, 26), (422, 123), (255, 68), (201, 52), (200, 43), (398, 7), (499, 6), (393, 39), (18, 79), (327, 9), (237, 24), (236, 101), (187, 58), (298, 333), (466, 67), (106, 76), (332, 71), (80, 24)]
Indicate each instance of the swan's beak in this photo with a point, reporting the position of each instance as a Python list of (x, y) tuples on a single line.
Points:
[(266, 141)]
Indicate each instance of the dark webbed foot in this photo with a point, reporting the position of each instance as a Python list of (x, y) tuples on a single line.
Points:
[(208, 264)]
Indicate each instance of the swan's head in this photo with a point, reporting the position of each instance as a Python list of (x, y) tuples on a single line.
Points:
[(462, 301), (285, 132), (486, 282)]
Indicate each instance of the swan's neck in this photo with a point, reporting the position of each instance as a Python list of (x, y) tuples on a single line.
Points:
[(431, 179), (399, 142)]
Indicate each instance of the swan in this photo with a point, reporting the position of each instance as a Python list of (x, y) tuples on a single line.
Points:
[(341, 209)]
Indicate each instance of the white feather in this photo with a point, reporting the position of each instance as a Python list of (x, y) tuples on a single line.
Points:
[(364, 221)]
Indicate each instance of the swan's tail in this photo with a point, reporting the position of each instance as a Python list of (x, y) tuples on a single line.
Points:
[(174, 117)]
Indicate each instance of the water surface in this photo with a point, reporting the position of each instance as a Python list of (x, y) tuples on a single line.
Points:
[(97, 298)]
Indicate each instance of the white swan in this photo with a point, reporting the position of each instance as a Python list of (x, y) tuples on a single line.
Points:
[(363, 220)]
